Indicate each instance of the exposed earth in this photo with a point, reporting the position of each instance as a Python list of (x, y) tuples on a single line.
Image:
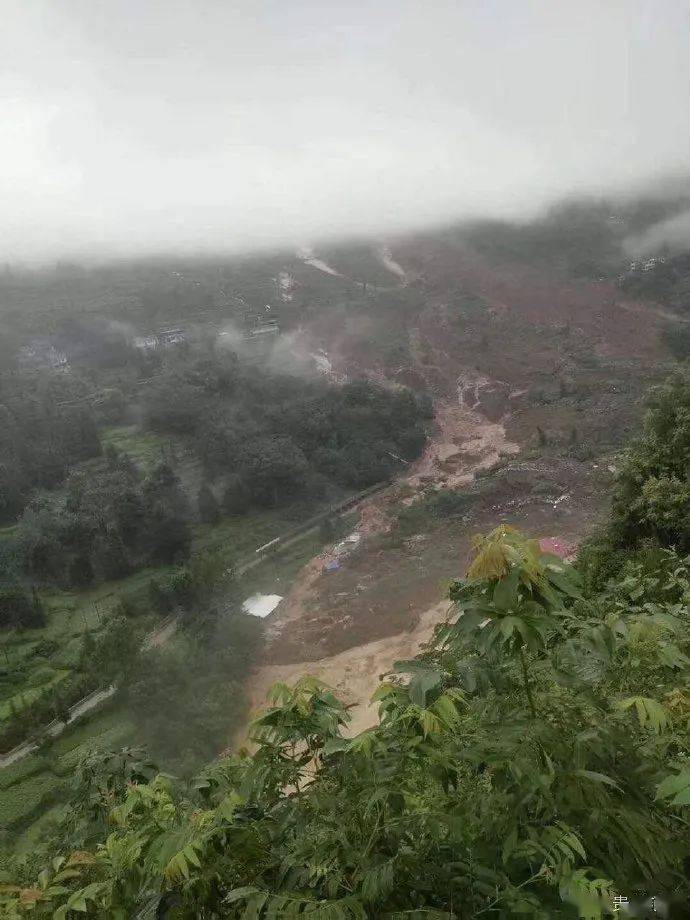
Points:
[(536, 381)]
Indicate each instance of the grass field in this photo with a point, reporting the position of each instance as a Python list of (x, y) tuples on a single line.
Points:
[(24, 798), (29, 694), (108, 728), (242, 535), (145, 448), (8, 532), (31, 790), (34, 661), (275, 574)]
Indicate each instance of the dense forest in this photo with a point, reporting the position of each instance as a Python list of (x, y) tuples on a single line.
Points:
[(262, 438), (277, 434), (41, 438), (531, 761), (277, 440), (226, 439)]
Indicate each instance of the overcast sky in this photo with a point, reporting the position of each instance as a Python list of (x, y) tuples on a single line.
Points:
[(129, 126)]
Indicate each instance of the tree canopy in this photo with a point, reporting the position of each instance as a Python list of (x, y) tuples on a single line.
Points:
[(40, 438), (107, 521), (279, 433)]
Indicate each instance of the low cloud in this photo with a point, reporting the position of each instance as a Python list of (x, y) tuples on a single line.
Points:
[(283, 354), (131, 127), (672, 235)]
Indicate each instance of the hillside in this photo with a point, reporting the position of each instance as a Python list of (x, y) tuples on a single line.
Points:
[(537, 379), (522, 378), (531, 761)]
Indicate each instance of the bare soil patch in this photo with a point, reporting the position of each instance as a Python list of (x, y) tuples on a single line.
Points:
[(538, 297), (354, 674)]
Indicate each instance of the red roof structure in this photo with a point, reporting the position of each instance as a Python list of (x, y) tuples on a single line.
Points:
[(557, 547)]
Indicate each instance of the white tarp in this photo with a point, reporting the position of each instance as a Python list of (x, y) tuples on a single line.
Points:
[(260, 605)]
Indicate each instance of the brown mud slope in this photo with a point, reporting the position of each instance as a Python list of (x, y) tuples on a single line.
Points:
[(392, 578), (537, 297), (465, 443), (376, 592), (348, 628), (536, 380), (355, 673)]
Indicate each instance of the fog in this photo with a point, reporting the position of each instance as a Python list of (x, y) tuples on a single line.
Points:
[(136, 127), (672, 235)]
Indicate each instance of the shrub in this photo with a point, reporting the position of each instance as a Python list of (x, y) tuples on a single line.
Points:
[(159, 600), (433, 508), (20, 609)]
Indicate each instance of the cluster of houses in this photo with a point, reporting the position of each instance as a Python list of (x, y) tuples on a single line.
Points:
[(158, 340), (647, 265), (261, 326), (286, 284), (43, 353), (641, 265)]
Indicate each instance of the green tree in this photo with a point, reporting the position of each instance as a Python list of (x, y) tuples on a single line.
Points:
[(166, 534), (116, 651), (513, 593), (328, 529), (109, 556), (19, 609), (159, 599), (209, 512), (235, 497), (163, 487), (275, 470), (652, 487)]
